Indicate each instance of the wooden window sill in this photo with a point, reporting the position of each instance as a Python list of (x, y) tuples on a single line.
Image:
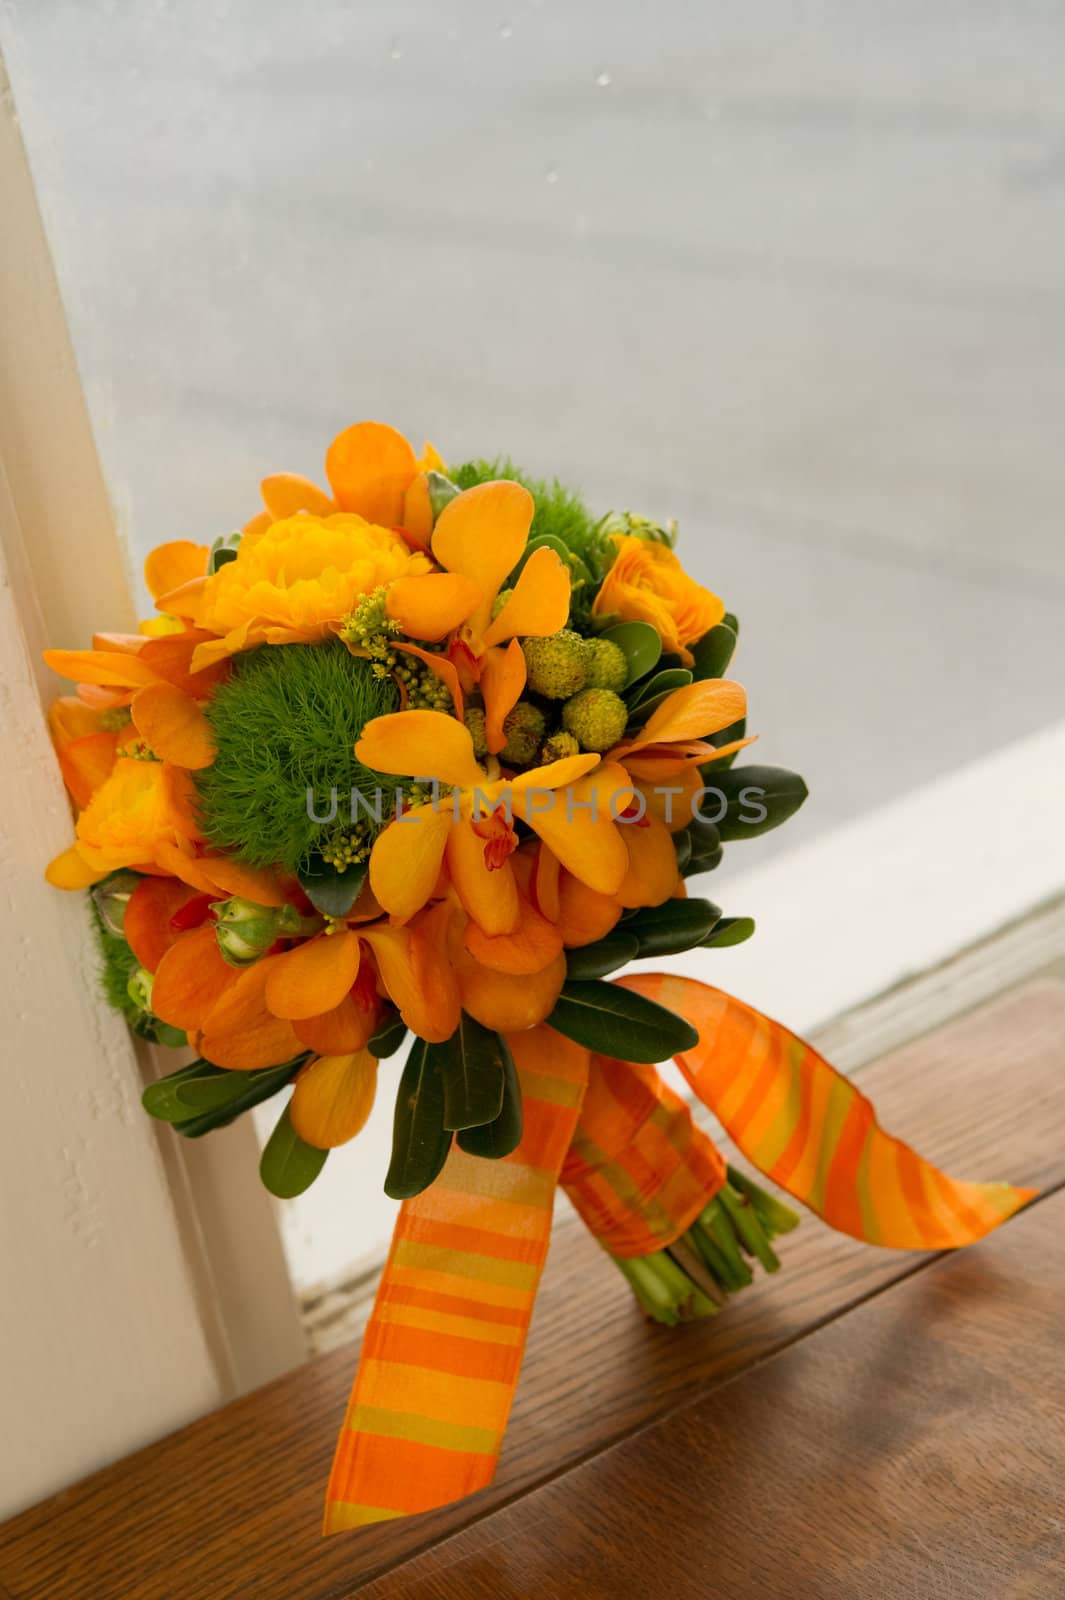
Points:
[(892, 1423)]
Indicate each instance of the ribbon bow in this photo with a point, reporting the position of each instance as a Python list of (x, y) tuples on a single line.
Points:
[(443, 1348)]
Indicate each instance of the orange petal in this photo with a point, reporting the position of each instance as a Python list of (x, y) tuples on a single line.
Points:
[(87, 763), (421, 744), (181, 861), (431, 605), (265, 1043), (585, 916), (533, 945), (147, 920), (286, 493), (546, 882), (108, 668), (418, 512), (508, 1003), (346, 1027), (70, 870), (250, 883), (184, 601), (577, 826), (431, 460), (418, 977), (695, 712), (489, 896), (70, 718), (126, 644), (369, 467), (314, 977), (169, 566), (482, 533), (502, 680), (561, 774), (333, 1097), (170, 658), (256, 525), (173, 726), (540, 602), (406, 858), (190, 980), (442, 668), (652, 874)]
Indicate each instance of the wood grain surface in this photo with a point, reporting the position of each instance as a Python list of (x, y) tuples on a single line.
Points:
[(914, 1448), (229, 1508)]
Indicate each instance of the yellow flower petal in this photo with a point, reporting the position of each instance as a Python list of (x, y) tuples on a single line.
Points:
[(695, 712), (421, 744), (314, 977), (482, 533), (540, 602), (577, 826), (432, 605), (406, 859), (286, 493), (169, 566), (333, 1097), (502, 680), (70, 870), (489, 895), (173, 726), (369, 466), (652, 873)]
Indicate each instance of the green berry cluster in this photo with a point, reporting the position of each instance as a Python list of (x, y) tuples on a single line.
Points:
[(596, 718), (371, 629), (349, 846)]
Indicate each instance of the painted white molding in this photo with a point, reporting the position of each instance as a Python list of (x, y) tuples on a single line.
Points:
[(142, 1283)]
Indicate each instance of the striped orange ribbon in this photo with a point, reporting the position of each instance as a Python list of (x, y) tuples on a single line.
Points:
[(638, 1171), (441, 1354), (811, 1131)]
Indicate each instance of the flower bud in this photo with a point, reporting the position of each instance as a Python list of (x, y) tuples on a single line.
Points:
[(111, 897), (441, 491), (139, 989), (245, 931), (524, 728), (557, 666), (596, 717), (608, 667)]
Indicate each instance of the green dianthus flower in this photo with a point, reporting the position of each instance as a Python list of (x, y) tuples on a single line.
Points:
[(557, 666), (596, 717)]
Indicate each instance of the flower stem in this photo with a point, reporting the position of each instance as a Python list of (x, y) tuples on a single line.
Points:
[(693, 1277)]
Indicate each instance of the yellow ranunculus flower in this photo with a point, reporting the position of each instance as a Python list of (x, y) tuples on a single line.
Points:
[(295, 580), (648, 584)]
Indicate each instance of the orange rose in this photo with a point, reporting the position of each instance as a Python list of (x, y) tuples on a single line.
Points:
[(648, 584)]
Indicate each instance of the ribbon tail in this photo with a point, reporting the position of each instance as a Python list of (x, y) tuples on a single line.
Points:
[(814, 1133), (443, 1348)]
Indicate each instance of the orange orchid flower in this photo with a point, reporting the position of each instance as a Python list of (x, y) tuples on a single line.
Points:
[(472, 833), (372, 471), (479, 538)]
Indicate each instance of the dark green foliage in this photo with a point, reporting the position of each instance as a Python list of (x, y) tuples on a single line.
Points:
[(606, 955), (199, 1098), (673, 926), (498, 1138), (473, 1064), (560, 513), (750, 800), (420, 1142), (286, 722), (616, 1022), (289, 1164)]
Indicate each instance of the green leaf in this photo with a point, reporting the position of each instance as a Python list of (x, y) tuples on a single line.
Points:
[(729, 931), (649, 694), (163, 1100), (682, 844), (752, 799), (705, 851), (289, 1164), (472, 1064), (494, 1140), (616, 1022), (330, 891), (575, 566), (251, 1090), (675, 925), (388, 1038), (713, 652), (606, 955), (640, 644), (730, 620), (420, 1142), (202, 1093)]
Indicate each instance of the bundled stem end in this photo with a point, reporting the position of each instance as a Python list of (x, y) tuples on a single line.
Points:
[(695, 1275)]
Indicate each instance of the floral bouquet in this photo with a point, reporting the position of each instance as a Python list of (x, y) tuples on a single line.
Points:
[(419, 763)]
